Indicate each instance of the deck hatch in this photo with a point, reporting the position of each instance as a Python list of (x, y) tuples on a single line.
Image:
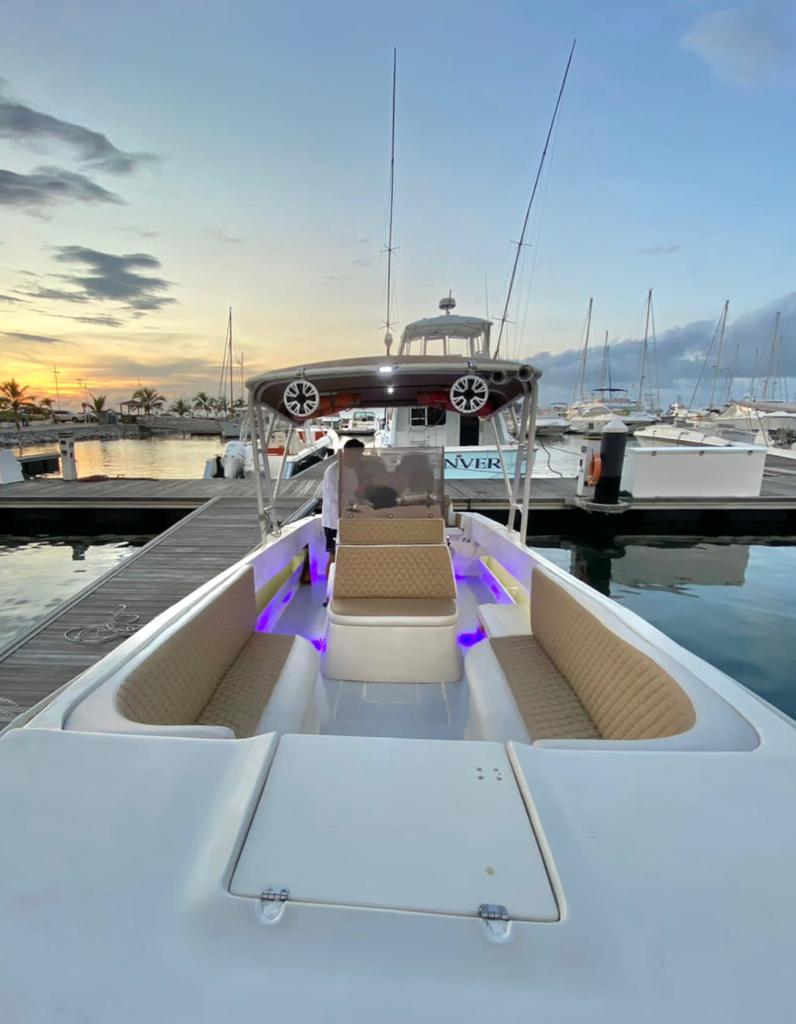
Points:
[(431, 826)]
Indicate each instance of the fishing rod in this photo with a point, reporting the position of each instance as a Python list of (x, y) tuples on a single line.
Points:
[(521, 242)]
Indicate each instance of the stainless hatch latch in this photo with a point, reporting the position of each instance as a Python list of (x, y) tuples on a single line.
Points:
[(272, 903), (496, 921)]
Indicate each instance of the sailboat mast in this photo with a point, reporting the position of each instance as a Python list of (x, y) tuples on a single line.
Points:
[(771, 359), (585, 354), (231, 365), (719, 347), (642, 375), (390, 249), (605, 370), (731, 374)]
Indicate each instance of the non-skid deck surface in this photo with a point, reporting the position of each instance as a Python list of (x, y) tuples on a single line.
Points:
[(178, 561), (427, 710)]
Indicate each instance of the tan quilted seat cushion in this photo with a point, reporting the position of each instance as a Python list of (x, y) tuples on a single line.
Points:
[(626, 693), (391, 531), (242, 694), (548, 704), (393, 608), (175, 682), (418, 571)]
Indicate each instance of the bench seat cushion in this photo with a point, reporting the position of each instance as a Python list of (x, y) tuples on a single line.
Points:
[(391, 531), (400, 611), (240, 698), (627, 694), (547, 703)]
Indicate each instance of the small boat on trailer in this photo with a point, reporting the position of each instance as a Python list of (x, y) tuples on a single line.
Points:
[(469, 788)]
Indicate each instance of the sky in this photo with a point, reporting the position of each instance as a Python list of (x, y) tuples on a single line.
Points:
[(163, 161)]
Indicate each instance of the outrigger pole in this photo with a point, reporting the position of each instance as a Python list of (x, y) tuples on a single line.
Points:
[(390, 248), (521, 242)]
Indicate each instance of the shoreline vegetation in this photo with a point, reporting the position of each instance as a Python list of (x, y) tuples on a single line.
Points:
[(40, 433), (26, 420)]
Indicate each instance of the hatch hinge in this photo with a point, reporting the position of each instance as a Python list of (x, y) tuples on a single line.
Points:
[(496, 921), (272, 903)]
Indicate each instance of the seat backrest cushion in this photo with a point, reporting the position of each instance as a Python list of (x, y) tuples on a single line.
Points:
[(391, 531), (394, 571), (174, 683), (627, 694)]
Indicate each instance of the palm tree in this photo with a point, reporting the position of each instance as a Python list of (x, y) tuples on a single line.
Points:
[(148, 399), (97, 406), (180, 407), (46, 406), (203, 402), (13, 397)]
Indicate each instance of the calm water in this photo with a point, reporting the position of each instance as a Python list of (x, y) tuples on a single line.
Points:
[(171, 458), (731, 602), (175, 458), (37, 575)]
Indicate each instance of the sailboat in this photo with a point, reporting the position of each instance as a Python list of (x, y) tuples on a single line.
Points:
[(590, 415), (763, 423), (289, 452)]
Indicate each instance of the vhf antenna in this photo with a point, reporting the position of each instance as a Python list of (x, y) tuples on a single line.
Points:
[(390, 249), (521, 243)]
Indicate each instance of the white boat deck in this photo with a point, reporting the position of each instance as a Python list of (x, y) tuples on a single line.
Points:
[(424, 710)]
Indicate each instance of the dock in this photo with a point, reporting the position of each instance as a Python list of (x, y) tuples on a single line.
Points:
[(209, 524), (128, 502), (39, 661)]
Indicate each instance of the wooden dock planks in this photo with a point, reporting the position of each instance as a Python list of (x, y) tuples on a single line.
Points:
[(41, 660)]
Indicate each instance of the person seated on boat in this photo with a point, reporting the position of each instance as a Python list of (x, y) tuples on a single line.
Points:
[(372, 473), (416, 473), (330, 513)]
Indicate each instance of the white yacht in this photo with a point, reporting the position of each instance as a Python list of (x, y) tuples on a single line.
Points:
[(471, 788), (591, 417), (475, 447)]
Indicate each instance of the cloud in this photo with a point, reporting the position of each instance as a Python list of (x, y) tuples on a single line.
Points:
[(31, 127), (679, 356), (361, 263), (105, 321), (131, 229), (9, 298), (657, 250), (220, 235), (102, 276), (37, 339), (48, 185), (744, 46)]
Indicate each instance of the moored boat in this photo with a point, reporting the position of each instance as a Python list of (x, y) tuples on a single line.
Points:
[(470, 787)]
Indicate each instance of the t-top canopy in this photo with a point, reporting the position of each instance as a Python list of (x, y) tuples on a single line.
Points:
[(468, 386)]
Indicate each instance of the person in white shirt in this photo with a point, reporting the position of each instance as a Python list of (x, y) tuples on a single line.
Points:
[(330, 513)]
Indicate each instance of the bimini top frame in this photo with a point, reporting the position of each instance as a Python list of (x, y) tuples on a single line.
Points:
[(481, 387)]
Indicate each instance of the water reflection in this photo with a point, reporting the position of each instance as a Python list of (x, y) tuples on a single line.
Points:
[(732, 601), (660, 563), (37, 575)]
